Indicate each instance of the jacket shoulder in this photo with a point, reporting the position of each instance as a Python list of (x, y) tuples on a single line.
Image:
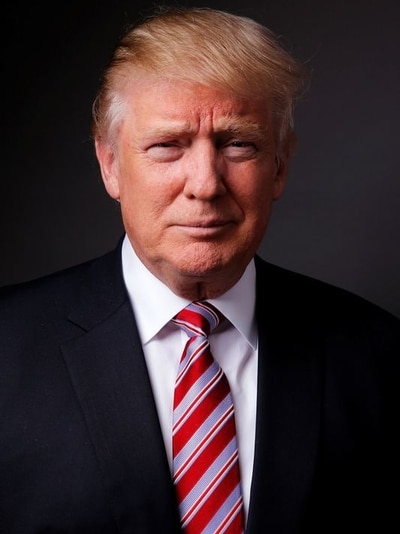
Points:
[(307, 299), (86, 284)]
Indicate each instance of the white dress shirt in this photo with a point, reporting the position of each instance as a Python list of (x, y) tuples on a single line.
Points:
[(234, 348)]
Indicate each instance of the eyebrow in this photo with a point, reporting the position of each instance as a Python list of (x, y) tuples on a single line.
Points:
[(232, 125), (240, 126), (169, 130)]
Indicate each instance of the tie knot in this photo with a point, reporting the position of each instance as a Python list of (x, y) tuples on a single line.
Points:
[(198, 318)]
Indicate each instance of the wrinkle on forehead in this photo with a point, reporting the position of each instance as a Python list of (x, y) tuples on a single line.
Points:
[(177, 107)]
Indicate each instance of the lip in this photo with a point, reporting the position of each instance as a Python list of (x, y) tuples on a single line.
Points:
[(205, 221), (204, 228)]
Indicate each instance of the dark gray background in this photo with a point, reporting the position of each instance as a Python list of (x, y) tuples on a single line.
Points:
[(339, 218)]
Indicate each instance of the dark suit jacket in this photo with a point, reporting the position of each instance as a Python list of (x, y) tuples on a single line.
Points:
[(81, 449)]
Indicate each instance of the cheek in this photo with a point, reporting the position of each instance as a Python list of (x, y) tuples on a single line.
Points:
[(255, 194), (145, 200), (141, 207)]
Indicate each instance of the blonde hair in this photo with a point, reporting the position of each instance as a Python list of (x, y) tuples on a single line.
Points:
[(212, 47)]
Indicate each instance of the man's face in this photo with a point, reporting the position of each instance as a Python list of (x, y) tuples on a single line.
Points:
[(196, 172)]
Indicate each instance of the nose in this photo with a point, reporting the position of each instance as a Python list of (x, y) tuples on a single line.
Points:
[(204, 175)]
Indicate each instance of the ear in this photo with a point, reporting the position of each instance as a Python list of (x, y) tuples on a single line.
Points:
[(108, 167), (282, 158)]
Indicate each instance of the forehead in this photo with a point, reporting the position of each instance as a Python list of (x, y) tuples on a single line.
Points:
[(158, 100)]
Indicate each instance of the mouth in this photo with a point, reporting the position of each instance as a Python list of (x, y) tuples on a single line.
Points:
[(205, 228)]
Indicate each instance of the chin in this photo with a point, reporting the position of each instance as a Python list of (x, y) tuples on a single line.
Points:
[(203, 260)]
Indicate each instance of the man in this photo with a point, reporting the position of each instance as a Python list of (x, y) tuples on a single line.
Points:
[(193, 132)]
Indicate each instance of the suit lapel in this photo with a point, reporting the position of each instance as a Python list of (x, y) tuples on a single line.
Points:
[(109, 374), (288, 412)]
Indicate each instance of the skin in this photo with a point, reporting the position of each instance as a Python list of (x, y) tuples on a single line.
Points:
[(196, 172)]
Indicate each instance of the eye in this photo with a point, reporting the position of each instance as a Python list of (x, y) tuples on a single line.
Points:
[(166, 145), (240, 149), (165, 151), (241, 144)]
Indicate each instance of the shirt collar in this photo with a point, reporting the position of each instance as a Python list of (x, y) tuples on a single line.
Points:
[(146, 292)]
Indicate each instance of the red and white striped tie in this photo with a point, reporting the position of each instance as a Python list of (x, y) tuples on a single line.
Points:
[(205, 464)]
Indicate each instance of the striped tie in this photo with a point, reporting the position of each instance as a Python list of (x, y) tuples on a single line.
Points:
[(206, 467)]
